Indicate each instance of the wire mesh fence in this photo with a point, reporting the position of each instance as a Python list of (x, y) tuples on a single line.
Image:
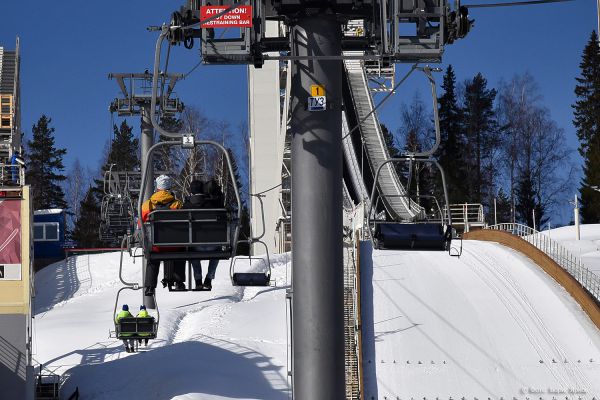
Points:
[(561, 255)]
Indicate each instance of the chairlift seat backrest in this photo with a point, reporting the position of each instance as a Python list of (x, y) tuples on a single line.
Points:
[(134, 327), (419, 236), (191, 227)]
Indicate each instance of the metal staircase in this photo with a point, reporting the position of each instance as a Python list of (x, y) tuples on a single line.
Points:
[(393, 193), (350, 325)]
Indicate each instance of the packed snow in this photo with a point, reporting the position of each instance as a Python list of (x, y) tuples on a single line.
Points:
[(487, 324), (229, 343), (490, 324), (587, 248)]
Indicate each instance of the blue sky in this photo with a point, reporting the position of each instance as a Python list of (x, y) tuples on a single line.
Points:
[(69, 47)]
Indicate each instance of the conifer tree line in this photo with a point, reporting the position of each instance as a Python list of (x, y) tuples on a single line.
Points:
[(587, 121), (501, 146)]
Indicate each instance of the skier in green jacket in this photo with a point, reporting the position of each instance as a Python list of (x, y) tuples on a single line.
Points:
[(129, 343), (143, 314)]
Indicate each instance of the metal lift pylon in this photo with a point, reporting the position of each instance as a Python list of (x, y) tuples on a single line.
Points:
[(317, 253)]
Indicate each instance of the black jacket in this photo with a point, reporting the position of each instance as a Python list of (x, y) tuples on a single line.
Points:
[(203, 201)]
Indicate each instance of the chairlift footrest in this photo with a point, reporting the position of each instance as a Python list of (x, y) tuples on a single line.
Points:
[(251, 279)]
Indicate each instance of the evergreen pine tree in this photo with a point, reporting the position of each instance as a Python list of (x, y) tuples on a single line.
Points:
[(85, 233), (388, 138), (503, 207), (590, 198), (528, 201), (44, 166), (481, 128), (124, 149), (587, 122), (452, 140)]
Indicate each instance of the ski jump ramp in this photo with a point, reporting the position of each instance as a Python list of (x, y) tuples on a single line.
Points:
[(490, 324)]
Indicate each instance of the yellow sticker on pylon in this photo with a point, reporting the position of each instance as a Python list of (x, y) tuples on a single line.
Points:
[(317, 90)]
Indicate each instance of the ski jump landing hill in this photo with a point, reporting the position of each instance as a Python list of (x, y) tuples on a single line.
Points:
[(490, 324)]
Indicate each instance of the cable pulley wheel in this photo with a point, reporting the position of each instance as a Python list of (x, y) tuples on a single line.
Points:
[(176, 35)]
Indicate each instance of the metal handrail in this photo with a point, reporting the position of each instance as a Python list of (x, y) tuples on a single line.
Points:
[(563, 257), (466, 212)]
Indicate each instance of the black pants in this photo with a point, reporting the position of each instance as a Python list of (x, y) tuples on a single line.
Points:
[(174, 272), (151, 279)]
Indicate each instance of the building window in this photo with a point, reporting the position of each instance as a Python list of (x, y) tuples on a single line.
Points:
[(45, 232)]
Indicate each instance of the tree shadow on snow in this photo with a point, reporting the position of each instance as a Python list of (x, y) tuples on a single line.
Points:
[(62, 285), (180, 369)]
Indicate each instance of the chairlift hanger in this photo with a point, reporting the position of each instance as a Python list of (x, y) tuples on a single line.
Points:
[(253, 278), (149, 326), (411, 236), (165, 227)]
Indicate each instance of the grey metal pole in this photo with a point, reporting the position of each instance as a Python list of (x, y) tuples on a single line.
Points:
[(317, 258), (147, 141)]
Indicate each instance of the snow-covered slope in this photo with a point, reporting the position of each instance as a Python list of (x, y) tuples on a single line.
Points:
[(587, 248), (488, 325), (228, 343)]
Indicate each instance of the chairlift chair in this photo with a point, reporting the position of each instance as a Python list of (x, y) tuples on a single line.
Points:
[(134, 327), (413, 235), (253, 278), (190, 234)]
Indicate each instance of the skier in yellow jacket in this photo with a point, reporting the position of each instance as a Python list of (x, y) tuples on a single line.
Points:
[(143, 314), (162, 199), (129, 343)]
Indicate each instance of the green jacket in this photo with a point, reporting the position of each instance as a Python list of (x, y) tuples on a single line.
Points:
[(143, 314), (123, 314)]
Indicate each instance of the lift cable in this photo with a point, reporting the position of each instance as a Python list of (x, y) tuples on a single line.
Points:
[(192, 70)]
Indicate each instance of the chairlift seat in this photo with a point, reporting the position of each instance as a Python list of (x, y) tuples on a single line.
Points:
[(136, 328), (415, 236), (251, 279), (183, 233)]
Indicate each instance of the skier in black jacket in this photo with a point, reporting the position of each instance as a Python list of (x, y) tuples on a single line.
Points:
[(204, 195)]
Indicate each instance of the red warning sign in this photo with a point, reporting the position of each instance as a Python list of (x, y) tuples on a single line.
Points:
[(240, 16)]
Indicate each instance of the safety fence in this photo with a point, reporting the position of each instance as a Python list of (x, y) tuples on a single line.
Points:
[(562, 256)]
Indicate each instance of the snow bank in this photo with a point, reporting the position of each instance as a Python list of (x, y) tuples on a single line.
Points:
[(588, 248)]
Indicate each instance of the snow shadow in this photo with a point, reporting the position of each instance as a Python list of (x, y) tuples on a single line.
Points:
[(94, 354), (180, 369), (56, 283), (368, 322)]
